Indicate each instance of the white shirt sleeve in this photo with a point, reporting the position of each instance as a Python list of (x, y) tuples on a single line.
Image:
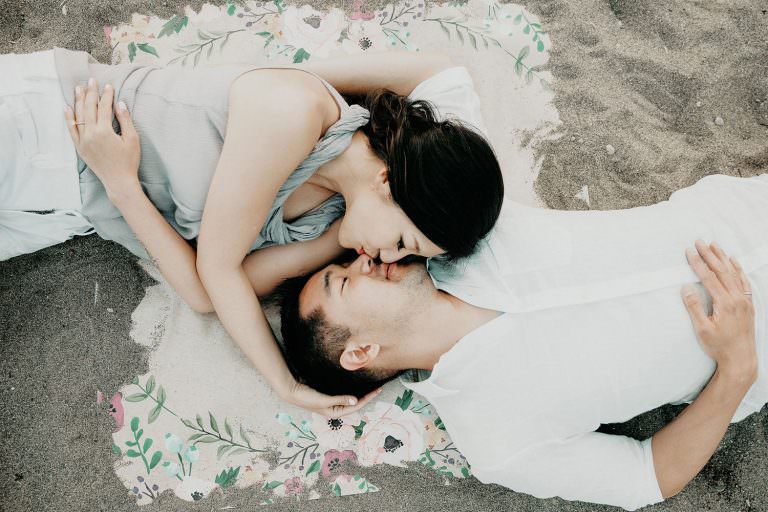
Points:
[(592, 467), (452, 92)]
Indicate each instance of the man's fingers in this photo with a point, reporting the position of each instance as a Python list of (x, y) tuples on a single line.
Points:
[(742, 276), (69, 115), (706, 276), (695, 307), (91, 101), (722, 269), (105, 105)]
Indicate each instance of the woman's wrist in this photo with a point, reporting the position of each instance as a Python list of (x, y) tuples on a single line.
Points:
[(124, 191)]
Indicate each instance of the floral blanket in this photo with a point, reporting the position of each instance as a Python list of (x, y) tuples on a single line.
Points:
[(202, 419)]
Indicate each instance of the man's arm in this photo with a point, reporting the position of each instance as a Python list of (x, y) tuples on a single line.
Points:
[(682, 447)]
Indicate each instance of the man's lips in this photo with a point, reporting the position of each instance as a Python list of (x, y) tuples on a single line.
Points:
[(389, 267)]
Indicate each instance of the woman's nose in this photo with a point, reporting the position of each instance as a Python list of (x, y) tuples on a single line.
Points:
[(389, 255)]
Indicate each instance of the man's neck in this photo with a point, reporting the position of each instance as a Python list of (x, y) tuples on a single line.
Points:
[(437, 331)]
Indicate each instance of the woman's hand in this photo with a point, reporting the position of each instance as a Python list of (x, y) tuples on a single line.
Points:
[(728, 335), (326, 405), (113, 158)]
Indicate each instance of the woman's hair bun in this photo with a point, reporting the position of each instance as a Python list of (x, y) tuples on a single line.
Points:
[(394, 116)]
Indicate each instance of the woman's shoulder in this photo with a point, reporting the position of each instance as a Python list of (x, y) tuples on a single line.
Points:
[(297, 91)]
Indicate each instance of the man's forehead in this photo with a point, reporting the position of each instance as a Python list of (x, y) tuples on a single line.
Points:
[(313, 294)]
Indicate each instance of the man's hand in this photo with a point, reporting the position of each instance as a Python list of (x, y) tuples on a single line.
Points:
[(682, 448), (728, 335)]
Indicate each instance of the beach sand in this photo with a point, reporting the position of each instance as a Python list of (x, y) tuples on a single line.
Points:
[(649, 81)]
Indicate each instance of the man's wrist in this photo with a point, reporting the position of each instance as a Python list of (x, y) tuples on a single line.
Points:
[(738, 373)]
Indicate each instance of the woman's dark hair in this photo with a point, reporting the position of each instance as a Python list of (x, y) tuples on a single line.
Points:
[(312, 347), (443, 174)]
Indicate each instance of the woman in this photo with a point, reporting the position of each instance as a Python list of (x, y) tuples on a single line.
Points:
[(294, 151)]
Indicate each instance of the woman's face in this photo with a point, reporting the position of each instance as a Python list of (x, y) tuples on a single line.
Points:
[(375, 224)]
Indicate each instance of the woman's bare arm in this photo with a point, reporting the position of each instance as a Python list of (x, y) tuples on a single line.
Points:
[(256, 159), (398, 71)]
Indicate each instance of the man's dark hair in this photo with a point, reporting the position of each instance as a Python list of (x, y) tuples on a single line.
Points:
[(312, 347)]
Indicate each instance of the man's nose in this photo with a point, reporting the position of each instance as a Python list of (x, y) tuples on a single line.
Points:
[(366, 264)]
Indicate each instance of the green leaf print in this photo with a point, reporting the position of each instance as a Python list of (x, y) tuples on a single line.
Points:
[(134, 424), (214, 423), (116, 449), (150, 384), (227, 477), (314, 467), (272, 485), (131, 51), (136, 397), (148, 48), (155, 459), (300, 56), (231, 9)]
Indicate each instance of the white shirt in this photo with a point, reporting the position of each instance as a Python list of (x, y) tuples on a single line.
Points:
[(594, 331)]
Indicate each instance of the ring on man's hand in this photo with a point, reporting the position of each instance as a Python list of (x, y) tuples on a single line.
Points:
[(747, 293), (81, 122)]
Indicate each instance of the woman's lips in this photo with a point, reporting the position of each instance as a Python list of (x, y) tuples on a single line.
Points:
[(389, 267)]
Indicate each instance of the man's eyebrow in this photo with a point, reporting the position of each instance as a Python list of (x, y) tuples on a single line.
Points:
[(327, 283)]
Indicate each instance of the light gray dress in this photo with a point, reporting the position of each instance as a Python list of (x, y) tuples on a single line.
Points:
[(181, 117)]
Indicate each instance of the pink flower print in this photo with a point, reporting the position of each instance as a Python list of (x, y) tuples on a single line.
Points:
[(334, 459), (116, 410), (293, 486), (108, 35), (358, 13), (390, 436)]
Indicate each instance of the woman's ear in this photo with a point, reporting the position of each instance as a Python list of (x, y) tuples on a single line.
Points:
[(381, 183), (356, 357)]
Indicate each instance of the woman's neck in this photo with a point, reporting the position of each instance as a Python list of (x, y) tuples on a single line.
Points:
[(351, 169)]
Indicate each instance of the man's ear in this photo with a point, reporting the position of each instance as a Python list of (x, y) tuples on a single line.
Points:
[(355, 357), (381, 182)]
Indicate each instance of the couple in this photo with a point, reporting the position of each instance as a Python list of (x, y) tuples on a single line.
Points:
[(236, 177), (559, 322), (276, 157)]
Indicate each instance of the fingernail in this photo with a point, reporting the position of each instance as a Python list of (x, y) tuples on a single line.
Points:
[(108, 86), (121, 105), (78, 89), (688, 289), (66, 109), (352, 401), (91, 81)]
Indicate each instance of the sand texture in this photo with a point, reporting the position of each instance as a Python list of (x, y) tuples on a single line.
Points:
[(651, 95)]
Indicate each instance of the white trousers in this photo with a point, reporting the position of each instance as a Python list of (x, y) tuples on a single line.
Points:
[(38, 163)]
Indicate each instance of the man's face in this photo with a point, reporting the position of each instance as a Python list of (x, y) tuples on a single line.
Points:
[(369, 298)]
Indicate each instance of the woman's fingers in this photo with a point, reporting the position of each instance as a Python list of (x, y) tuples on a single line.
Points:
[(127, 129), (79, 105), (343, 406), (91, 101), (105, 105), (69, 115)]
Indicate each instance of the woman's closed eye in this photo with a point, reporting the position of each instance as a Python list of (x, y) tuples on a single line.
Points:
[(343, 281)]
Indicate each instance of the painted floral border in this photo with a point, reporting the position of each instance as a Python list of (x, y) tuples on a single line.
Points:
[(317, 455), (295, 34)]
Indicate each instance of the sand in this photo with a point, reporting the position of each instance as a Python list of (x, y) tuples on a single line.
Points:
[(648, 80)]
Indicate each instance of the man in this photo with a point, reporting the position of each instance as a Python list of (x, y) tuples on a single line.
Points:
[(592, 331)]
